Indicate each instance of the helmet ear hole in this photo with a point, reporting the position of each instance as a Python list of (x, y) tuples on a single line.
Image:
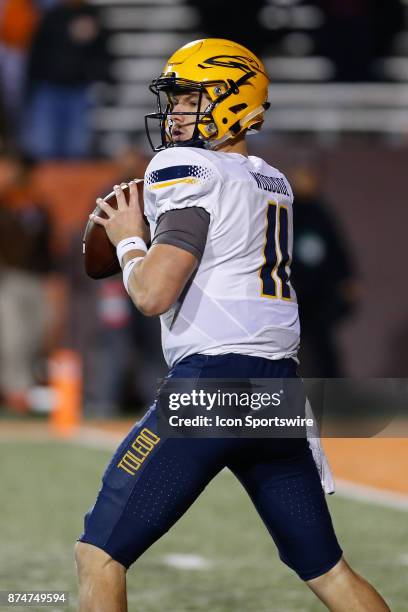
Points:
[(237, 108)]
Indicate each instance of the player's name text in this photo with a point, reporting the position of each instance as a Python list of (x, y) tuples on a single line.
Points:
[(270, 183)]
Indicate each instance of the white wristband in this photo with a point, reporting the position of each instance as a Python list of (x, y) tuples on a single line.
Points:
[(127, 270), (133, 243)]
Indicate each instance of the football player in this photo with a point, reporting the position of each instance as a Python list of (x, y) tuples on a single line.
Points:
[(218, 274)]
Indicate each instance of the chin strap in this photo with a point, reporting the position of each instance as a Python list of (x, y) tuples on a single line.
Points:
[(215, 143)]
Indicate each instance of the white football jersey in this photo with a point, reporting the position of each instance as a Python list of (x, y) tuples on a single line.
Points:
[(240, 299)]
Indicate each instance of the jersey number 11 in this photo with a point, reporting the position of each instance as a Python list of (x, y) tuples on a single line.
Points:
[(274, 273)]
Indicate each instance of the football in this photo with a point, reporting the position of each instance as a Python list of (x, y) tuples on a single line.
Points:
[(99, 253)]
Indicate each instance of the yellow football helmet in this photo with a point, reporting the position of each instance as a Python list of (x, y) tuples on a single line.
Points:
[(232, 77)]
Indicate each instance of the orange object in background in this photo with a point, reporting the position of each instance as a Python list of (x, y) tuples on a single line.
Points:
[(66, 383), (18, 23)]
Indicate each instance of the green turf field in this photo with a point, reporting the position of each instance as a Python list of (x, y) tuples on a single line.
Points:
[(47, 487)]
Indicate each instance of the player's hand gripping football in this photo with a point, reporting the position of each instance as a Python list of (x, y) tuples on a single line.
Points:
[(127, 220)]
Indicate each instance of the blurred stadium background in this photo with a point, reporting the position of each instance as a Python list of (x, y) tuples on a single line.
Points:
[(74, 79)]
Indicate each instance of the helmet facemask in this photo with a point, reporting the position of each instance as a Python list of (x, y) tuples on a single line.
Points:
[(163, 88)]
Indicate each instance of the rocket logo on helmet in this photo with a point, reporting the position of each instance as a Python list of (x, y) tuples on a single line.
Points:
[(241, 64), (209, 67)]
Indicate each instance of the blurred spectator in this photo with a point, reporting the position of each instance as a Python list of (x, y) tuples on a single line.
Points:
[(98, 328), (68, 54), (120, 348), (323, 275), (18, 20), (24, 261)]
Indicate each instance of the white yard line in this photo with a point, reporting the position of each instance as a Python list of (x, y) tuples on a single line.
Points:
[(372, 495), (186, 562)]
